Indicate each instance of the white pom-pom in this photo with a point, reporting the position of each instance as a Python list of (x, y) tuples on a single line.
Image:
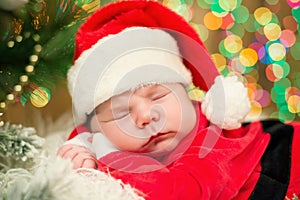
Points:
[(226, 104), (12, 4)]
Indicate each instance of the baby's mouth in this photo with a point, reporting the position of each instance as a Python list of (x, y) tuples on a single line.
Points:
[(157, 138)]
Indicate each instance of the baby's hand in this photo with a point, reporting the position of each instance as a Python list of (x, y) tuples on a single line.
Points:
[(80, 156)]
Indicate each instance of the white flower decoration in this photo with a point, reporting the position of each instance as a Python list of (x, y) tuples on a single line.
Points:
[(226, 104), (12, 4)]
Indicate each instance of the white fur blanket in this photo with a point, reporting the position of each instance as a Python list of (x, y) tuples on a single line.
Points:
[(53, 178)]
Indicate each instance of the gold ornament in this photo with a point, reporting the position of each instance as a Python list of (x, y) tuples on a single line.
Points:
[(40, 97)]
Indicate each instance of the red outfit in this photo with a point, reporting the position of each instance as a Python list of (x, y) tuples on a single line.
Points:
[(243, 164)]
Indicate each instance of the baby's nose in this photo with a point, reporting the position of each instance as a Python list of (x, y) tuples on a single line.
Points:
[(144, 115)]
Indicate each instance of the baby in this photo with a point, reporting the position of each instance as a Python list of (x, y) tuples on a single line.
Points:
[(134, 61), (152, 120)]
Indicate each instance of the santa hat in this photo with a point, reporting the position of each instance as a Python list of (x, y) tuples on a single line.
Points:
[(131, 43)]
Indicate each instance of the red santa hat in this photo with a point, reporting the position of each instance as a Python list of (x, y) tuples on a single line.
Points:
[(131, 43)]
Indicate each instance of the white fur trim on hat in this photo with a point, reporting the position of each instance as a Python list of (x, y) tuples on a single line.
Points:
[(124, 61), (226, 103)]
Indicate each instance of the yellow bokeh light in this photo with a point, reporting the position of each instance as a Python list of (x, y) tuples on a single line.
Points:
[(277, 51), (272, 31), (256, 110), (248, 57), (201, 30), (219, 60), (228, 5), (263, 15), (212, 22), (277, 71), (172, 4), (294, 104), (233, 43)]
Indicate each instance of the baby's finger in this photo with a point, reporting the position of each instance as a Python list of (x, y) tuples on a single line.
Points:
[(78, 159), (64, 150), (90, 163)]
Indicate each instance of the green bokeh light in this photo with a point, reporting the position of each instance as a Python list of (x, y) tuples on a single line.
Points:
[(241, 14), (223, 50), (285, 114), (275, 19), (238, 30), (251, 25), (296, 14), (215, 7), (203, 4), (295, 51)]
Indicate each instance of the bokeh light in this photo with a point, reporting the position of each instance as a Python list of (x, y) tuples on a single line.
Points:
[(219, 60), (295, 51), (251, 25), (235, 65), (275, 72), (290, 23), (228, 5), (217, 10), (263, 15), (262, 97), (272, 31), (241, 14), (233, 43), (203, 4), (287, 38), (260, 43), (260, 36), (296, 13), (255, 111), (223, 50), (259, 48), (201, 30), (238, 30), (212, 22), (248, 57), (183, 9), (227, 21), (294, 104), (277, 51), (293, 3)]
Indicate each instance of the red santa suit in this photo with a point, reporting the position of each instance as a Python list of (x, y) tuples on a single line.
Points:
[(260, 160)]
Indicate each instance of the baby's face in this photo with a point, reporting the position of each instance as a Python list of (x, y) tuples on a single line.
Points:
[(152, 119)]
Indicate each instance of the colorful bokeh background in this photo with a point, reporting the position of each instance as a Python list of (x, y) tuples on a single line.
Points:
[(257, 40)]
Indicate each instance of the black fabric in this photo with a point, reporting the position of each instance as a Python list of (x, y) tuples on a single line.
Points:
[(276, 163)]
